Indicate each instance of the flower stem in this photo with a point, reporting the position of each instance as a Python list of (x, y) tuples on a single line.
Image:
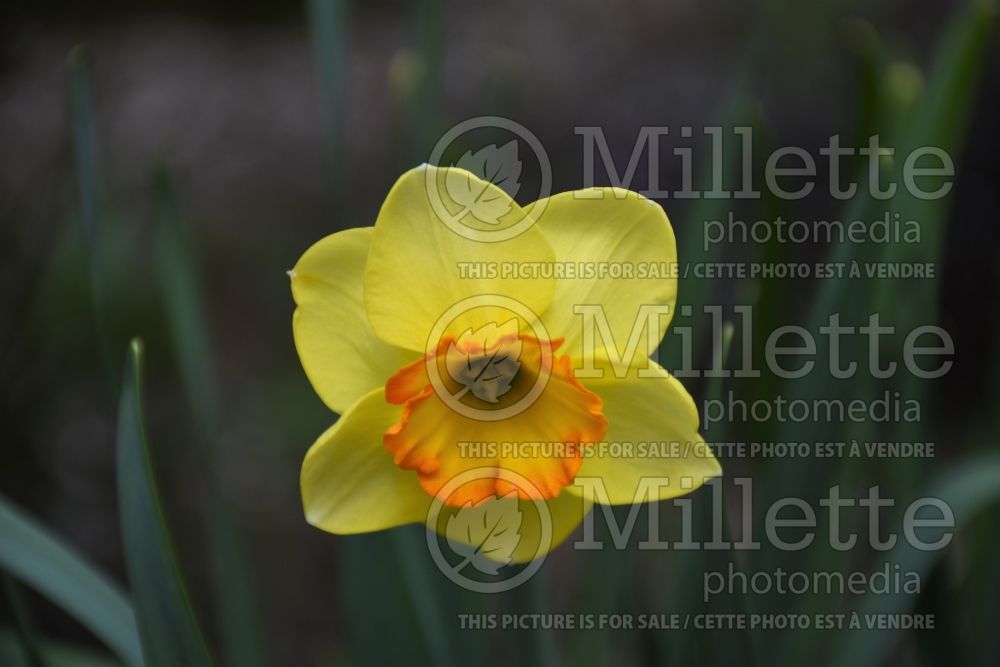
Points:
[(407, 543)]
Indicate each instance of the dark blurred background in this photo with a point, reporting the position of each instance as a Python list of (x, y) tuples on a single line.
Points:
[(224, 102)]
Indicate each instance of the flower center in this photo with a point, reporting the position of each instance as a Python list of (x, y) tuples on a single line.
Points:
[(492, 399)]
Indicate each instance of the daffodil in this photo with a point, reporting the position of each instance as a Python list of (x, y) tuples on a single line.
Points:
[(447, 352)]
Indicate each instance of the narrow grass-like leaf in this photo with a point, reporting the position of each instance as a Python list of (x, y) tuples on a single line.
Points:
[(170, 634), (967, 489), (541, 648), (234, 588), (937, 119), (602, 593), (40, 560), (177, 271), (720, 360), (691, 566), (941, 120), (84, 136), (429, 23), (407, 541), (368, 574), (24, 628), (327, 20), (53, 654), (84, 142)]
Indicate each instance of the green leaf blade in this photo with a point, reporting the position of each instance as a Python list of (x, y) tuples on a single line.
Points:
[(967, 489), (236, 597), (167, 625), (40, 560)]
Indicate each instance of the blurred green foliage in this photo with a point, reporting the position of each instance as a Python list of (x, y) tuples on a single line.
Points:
[(395, 607)]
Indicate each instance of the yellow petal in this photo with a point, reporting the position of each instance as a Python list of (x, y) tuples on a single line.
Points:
[(565, 513), (419, 266), (619, 231), (349, 482), (658, 420), (340, 353)]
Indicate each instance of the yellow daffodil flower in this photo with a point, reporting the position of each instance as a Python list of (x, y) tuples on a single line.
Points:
[(440, 348)]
